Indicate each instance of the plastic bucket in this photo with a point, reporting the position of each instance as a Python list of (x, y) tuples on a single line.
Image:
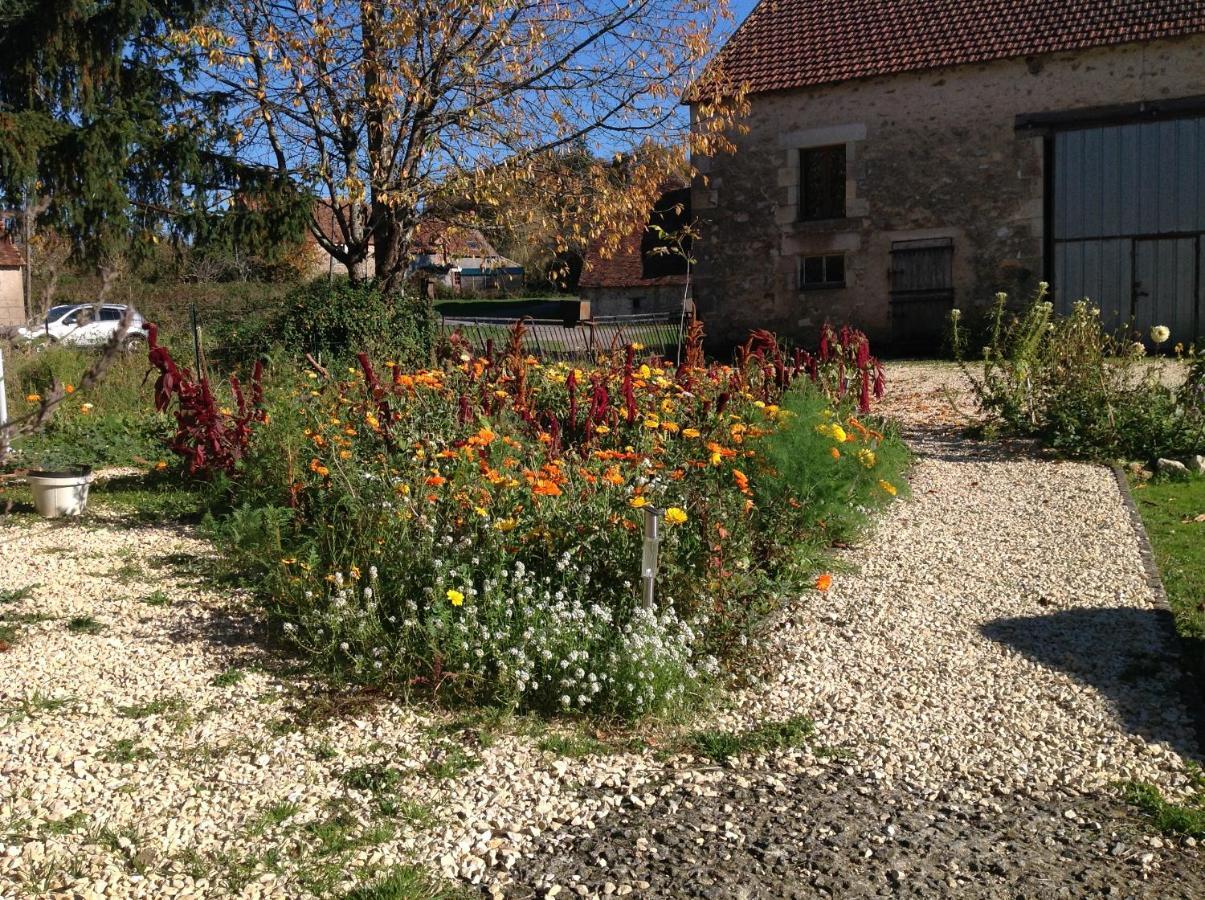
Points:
[(58, 494)]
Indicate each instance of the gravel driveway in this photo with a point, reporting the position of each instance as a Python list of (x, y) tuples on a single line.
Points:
[(980, 674)]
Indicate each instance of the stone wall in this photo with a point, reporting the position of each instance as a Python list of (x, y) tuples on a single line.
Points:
[(932, 154), (627, 301), (12, 297)]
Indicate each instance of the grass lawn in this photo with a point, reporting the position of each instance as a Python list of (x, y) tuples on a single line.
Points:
[(1174, 515)]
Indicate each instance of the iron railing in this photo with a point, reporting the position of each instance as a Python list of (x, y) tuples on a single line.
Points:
[(553, 339)]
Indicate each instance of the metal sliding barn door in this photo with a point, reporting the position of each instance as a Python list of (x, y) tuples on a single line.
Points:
[(1129, 221)]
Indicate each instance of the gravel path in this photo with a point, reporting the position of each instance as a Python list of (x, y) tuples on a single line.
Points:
[(980, 673)]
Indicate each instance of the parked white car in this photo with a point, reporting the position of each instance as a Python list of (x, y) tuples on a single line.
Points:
[(85, 325)]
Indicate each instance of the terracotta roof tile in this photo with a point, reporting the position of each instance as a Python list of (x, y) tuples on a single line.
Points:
[(625, 268), (787, 44), (10, 256)]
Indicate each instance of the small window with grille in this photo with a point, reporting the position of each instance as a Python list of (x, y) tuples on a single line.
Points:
[(822, 272)]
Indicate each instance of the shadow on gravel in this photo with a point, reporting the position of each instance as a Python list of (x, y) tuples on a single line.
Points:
[(956, 446), (1131, 656)]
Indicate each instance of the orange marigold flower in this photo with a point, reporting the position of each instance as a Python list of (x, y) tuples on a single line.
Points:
[(612, 476), (824, 582), (435, 480), (742, 480), (546, 488), (834, 452)]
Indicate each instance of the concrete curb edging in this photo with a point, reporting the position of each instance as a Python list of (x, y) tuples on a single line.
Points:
[(1191, 690)]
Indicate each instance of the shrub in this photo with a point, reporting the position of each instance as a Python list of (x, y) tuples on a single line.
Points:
[(114, 424), (477, 528), (335, 320), (1083, 391)]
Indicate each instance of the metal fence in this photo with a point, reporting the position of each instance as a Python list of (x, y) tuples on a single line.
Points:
[(553, 339)]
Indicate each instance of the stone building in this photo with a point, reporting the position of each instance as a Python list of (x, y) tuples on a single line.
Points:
[(905, 157), (643, 274), (12, 284)]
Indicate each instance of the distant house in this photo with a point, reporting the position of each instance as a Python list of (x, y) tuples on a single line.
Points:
[(462, 259), (459, 258), (905, 157), (645, 274), (12, 283)]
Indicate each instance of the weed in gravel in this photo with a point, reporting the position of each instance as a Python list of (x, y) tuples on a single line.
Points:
[(571, 745), (125, 750), (769, 736), (229, 678), (274, 815), (14, 595), (85, 625), (404, 883), (33, 704), (128, 572), (324, 751), (158, 598), (376, 778), (1186, 819), (68, 825), (449, 761), (158, 707), (412, 812)]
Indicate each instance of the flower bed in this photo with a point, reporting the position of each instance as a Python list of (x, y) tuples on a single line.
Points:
[(477, 528)]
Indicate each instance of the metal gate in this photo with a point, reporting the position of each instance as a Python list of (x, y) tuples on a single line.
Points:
[(1128, 223)]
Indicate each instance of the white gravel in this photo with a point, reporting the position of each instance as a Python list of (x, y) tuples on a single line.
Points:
[(996, 634)]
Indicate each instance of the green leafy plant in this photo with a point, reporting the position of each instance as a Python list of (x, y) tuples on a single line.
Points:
[(721, 746), (335, 320), (1081, 390)]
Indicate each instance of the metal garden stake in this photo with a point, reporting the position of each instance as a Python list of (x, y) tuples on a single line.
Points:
[(648, 559)]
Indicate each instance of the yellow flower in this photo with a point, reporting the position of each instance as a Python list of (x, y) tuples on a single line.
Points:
[(161, 465), (838, 433), (373, 421), (456, 597), (86, 408), (637, 346), (690, 432), (888, 487), (637, 502), (671, 427), (506, 524), (716, 458), (602, 429), (675, 516), (866, 457), (651, 421)]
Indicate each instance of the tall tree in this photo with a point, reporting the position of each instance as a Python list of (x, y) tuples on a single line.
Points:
[(93, 138), (376, 106)]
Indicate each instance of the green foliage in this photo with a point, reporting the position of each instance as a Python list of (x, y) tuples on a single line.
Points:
[(85, 625), (1082, 391), (721, 746), (1174, 515), (336, 320), (1185, 819), (404, 883), (94, 121), (574, 746), (14, 595), (115, 424)]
